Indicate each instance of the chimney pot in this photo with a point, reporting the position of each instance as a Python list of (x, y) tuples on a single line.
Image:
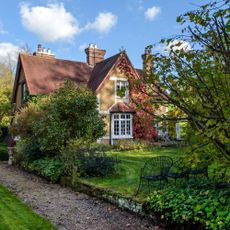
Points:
[(39, 48)]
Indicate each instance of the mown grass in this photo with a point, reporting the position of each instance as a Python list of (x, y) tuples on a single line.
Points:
[(128, 170), (14, 215), (3, 151)]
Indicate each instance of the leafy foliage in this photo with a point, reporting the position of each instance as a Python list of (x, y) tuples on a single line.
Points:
[(3, 152), (209, 207), (124, 145), (27, 117), (6, 85), (143, 119), (195, 76), (51, 168), (28, 150), (86, 159), (70, 114)]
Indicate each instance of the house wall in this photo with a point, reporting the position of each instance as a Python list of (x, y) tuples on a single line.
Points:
[(19, 101), (107, 97)]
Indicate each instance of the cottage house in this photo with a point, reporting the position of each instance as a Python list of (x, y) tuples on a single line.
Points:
[(42, 73)]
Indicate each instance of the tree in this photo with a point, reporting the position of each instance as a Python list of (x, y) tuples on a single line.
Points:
[(194, 73), (6, 85)]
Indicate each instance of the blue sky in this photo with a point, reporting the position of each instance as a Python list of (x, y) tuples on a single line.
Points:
[(68, 26)]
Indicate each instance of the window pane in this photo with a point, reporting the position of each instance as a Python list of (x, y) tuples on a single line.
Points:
[(116, 116), (116, 127), (127, 116), (122, 116), (121, 88), (123, 127), (128, 127)]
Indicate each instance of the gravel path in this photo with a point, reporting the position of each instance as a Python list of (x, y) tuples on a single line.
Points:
[(65, 208)]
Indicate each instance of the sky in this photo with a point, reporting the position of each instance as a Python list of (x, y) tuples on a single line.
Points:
[(68, 26)]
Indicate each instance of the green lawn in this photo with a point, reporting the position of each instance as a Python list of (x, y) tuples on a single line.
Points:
[(14, 215), (3, 152), (127, 179)]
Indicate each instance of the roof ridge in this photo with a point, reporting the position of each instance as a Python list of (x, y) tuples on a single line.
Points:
[(57, 59)]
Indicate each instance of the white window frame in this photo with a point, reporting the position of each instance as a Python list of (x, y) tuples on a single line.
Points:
[(122, 81), (120, 119)]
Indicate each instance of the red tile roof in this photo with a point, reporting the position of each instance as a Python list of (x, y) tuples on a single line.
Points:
[(122, 107), (44, 75)]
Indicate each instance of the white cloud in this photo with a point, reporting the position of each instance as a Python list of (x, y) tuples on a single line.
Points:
[(103, 22), (83, 46), (152, 13), (50, 23), (8, 53), (178, 45)]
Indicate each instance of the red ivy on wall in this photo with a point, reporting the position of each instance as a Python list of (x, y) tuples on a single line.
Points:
[(143, 126)]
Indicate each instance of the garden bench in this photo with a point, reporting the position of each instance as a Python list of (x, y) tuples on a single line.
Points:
[(179, 170), (198, 171), (155, 169)]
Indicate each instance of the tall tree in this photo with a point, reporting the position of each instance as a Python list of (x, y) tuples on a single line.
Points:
[(6, 84), (194, 73)]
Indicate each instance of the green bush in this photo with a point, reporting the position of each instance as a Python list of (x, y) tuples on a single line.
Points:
[(95, 164), (27, 150), (71, 114), (3, 152), (87, 159), (207, 207), (51, 168), (124, 145)]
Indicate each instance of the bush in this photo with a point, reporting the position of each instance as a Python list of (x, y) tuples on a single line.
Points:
[(208, 207), (3, 152), (50, 168), (124, 145), (93, 163), (71, 114), (87, 159), (27, 150), (25, 119)]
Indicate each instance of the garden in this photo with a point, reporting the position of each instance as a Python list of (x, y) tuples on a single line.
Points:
[(58, 133)]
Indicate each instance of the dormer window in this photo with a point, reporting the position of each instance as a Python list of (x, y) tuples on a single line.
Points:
[(122, 89)]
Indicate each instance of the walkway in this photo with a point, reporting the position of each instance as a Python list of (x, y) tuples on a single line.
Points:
[(66, 209)]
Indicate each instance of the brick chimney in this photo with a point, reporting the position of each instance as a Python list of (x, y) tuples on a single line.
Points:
[(94, 55), (43, 52), (147, 58)]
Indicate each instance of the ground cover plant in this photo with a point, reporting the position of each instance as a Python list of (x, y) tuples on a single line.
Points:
[(194, 203), (14, 215)]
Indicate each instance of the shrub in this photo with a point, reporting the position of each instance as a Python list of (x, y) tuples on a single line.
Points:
[(25, 119), (3, 152), (51, 168), (71, 114), (124, 145), (208, 207), (27, 150), (93, 163), (87, 159)]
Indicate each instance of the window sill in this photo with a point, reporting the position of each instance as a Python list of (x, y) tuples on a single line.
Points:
[(122, 137)]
